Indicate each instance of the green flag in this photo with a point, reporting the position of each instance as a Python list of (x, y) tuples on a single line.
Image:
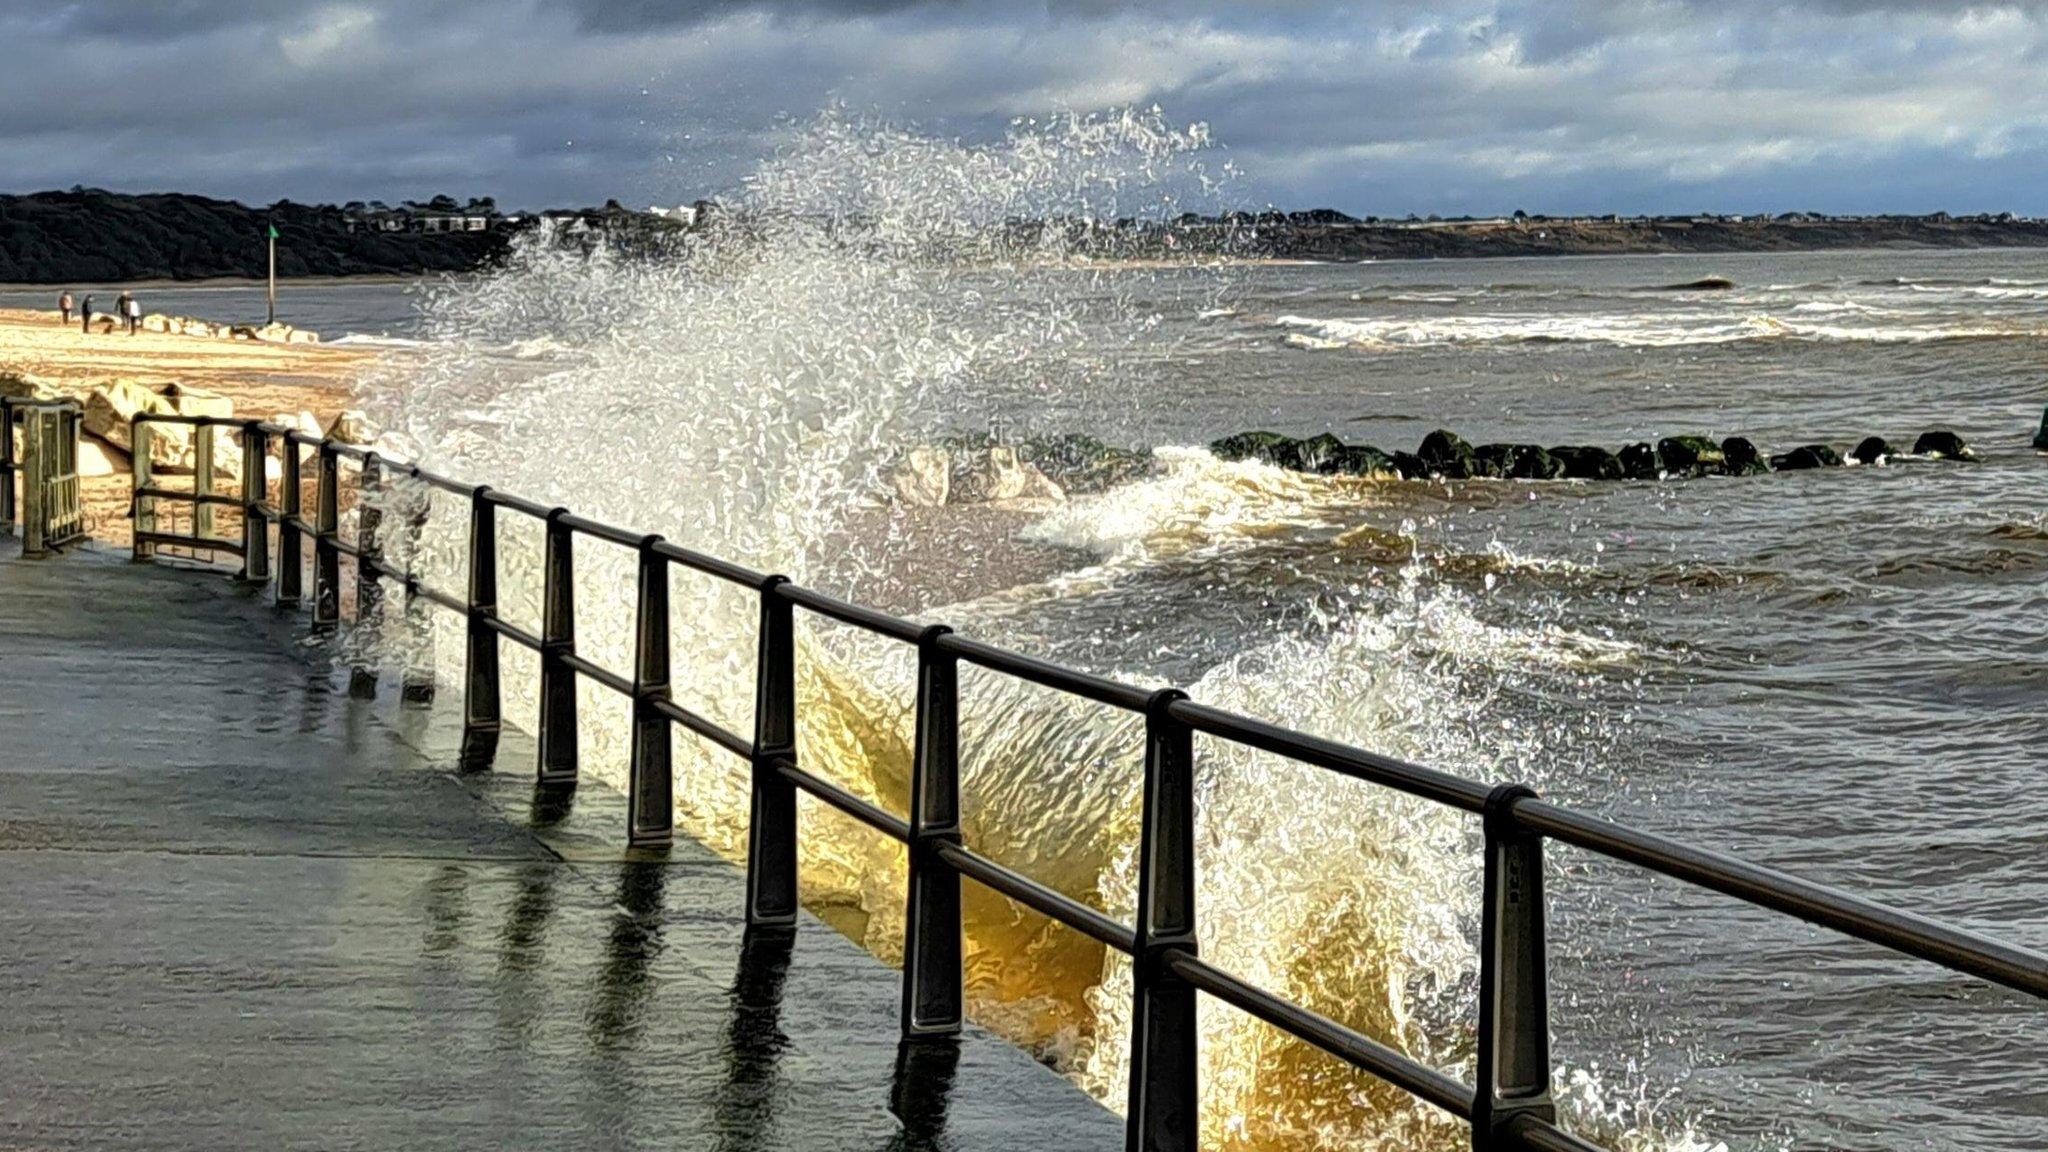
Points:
[(273, 231)]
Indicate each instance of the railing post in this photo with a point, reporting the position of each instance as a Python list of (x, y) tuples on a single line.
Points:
[(1164, 1113), (558, 755), (771, 819), (650, 794), (362, 675), (326, 527), (36, 455), (291, 506), (416, 677), (202, 484), (932, 998), (1514, 998), (481, 718), (255, 488), (140, 434), (7, 466)]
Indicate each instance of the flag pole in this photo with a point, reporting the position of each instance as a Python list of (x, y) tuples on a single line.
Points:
[(273, 274)]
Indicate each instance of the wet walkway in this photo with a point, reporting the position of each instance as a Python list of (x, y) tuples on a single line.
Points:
[(240, 910)]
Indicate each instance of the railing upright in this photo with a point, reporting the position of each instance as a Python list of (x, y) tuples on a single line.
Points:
[(35, 482), (141, 433), (8, 466), (481, 715), (255, 489), (416, 678), (362, 675), (202, 483), (650, 793), (557, 738), (291, 509), (771, 820), (1514, 998), (932, 999), (326, 553), (1164, 1110)]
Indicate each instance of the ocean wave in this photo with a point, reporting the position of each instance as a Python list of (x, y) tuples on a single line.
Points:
[(1665, 330)]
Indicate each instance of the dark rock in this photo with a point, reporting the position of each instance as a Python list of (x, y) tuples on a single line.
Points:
[(1410, 466), (1493, 461), (1359, 460), (1872, 450), (1446, 455), (1638, 462), (1586, 462), (1264, 447), (1530, 462), (1808, 456), (1943, 445), (1083, 464), (1739, 457), (1688, 456), (1310, 455), (2041, 437)]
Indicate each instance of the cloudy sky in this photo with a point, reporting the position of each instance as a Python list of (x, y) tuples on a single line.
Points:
[(1388, 108)]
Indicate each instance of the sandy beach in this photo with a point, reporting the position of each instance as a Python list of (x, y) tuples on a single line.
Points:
[(261, 379)]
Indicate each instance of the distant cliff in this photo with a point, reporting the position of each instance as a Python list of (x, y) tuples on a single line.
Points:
[(87, 236)]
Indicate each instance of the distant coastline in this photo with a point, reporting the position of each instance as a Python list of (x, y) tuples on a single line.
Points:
[(98, 238)]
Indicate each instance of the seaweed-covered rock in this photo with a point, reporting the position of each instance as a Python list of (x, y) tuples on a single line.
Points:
[(1872, 450), (2041, 437), (1311, 455), (1409, 466), (1805, 457), (1587, 462), (1493, 461), (1942, 444), (1740, 457), (1533, 462), (1688, 456), (1083, 464), (1638, 461), (1446, 455), (1265, 447), (1359, 460)]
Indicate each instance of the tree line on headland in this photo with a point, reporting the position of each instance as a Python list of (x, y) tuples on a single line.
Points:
[(87, 236)]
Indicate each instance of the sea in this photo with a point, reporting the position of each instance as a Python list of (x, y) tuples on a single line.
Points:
[(1839, 673)]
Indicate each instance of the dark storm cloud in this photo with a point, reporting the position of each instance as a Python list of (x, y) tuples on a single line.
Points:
[(1385, 107)]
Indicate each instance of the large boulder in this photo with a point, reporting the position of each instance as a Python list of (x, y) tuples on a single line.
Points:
[(16, 385), (1588, 462), (1446, 454), (1084, 464), (1409, 466), (1688, 456), (1360, 460), (1639, 461), (1315, 454), (923, 478), (352, 427), (1740, 457), (1872, 450), (1264, 447), (96, 457), (998, 477), (1493, 461), (1941, 444), (1806, 456), (110, 411), (1516, 462), (2041, 437), (187, 400)]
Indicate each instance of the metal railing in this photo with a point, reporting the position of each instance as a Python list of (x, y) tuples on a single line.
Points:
[(1510, 1108), (52, 507)]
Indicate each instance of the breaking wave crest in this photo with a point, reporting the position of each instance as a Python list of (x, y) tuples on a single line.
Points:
[(744, 395), (1646, 330)]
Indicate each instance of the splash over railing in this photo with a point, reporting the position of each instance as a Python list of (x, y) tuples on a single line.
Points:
[(1510, 1108)]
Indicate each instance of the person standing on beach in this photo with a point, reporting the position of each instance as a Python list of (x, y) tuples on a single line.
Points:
[(85, 311), (121, 307), (134, 309), (64, 305)]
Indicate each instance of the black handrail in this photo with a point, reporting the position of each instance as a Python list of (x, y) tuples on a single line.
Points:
[(1510, 1109)]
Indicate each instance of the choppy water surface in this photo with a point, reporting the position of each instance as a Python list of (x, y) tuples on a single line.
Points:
[(1835, 672)]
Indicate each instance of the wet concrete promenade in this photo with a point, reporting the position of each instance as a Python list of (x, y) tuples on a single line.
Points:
[(241, 910)]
